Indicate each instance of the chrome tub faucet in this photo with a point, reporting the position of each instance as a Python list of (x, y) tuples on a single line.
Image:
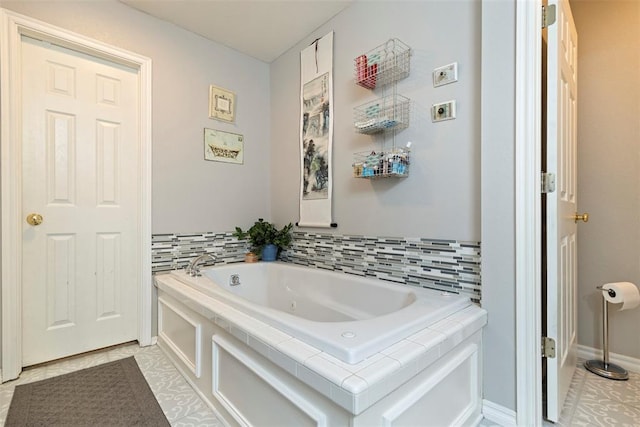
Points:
[(193, 269)]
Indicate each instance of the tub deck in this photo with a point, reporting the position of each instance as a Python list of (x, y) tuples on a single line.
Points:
[(439, 349), (348, 317)]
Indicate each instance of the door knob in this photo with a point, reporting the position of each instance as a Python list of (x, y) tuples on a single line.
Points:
[(34, 219), (584, 217)]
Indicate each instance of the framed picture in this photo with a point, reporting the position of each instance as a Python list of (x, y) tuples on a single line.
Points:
[(222, 104), (222, 146)]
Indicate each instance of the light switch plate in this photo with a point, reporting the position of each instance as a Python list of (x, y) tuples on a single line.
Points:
[(445, 74), (443, 111)]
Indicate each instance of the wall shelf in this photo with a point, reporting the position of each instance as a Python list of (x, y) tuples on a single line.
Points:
[(383, 65), (373, 165), (390, 113), (381, 68)]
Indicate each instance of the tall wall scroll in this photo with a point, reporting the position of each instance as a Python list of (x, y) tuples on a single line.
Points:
[(316, 133)]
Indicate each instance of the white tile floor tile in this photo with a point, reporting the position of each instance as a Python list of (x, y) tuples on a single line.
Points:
[(596, 401), (180, 404), (592, 400)]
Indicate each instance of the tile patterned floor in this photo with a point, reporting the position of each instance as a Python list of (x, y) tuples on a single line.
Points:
[(181, 405), (592, 401), (597, 401)]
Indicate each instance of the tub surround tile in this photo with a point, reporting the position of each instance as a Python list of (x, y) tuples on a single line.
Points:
[(454, 331), (246, 323), (355, 384), (405, 351), (258, 345), (271, 334), (445, 326), (432, 354), (471, 318), (175, 251), (356, 367), (314, 380), (427, 338), (357, 403), (222, 322), (283, 361), (297, 350), (379, 370), (447, 265), (239, 333), (327, 369), (354, 387), (380, 389), (221, 315), (459, 326)]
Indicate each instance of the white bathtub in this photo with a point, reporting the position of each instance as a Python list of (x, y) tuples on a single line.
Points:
[(346, 316)]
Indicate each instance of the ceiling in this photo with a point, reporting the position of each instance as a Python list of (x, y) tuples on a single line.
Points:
[(263, 29)]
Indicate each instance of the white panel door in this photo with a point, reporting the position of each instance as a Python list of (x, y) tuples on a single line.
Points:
[(80, 154), (562, 91)]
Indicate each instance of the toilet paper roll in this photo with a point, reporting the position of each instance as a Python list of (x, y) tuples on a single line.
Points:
[(625, 292)]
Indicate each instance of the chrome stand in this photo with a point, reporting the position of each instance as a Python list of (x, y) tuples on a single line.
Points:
[(603, 367)]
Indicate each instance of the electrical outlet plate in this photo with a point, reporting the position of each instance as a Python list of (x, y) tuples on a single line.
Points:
[(445, 74), (443, 111)]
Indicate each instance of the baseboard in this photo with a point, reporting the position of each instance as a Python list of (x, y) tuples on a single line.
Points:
[(498, 414), (154, 340), (628, 363)]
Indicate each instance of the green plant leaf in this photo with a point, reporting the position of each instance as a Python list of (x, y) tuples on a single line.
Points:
[(262, 233)]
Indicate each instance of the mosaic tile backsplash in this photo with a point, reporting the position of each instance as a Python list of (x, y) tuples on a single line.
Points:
[(175, 251), (446, 265)]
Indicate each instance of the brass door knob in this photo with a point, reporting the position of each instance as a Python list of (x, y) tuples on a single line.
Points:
[(581, 217), (34, 219)]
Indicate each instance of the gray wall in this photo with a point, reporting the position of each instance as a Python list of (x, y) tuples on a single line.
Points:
[(189, 193), (498, 201), (608, 164), (441, 196)]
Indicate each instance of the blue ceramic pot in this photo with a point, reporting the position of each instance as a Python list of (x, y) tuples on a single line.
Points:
[(269, 252)]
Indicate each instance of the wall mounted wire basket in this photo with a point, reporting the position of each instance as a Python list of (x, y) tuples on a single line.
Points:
[(372, 165), (382, 65), (382, 115)]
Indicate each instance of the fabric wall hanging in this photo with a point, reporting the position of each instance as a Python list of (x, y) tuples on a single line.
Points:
[(316, 133)]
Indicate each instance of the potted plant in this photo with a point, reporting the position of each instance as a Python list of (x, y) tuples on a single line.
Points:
[(265, 239)]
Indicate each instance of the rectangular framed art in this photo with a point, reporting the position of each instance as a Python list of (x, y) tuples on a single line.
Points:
[(222, 146), (222, 104)]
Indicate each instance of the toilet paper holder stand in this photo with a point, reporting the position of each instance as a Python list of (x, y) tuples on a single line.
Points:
[(604, 368)]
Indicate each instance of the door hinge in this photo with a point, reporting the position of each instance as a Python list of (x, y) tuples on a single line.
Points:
[(548, 182), (548, 348), (548, 15)]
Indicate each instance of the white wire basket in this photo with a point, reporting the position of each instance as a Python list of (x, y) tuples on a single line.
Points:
[(382, 115), (382, 65), (372, 165)]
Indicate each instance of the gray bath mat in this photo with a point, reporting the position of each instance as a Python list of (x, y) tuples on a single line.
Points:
[(111, 394)]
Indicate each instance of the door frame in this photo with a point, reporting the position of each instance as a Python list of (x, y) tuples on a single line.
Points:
[(528, 212), (12, 27)]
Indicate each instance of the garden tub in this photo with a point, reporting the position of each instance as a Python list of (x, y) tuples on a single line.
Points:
[(347, 316)]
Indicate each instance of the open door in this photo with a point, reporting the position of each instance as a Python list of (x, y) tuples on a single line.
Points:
[(561, 206)]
